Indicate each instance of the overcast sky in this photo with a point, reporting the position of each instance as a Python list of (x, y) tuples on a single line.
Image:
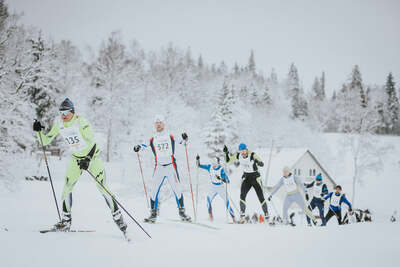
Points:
[(317, 35)]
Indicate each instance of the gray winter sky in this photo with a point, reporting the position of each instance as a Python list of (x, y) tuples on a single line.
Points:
[(316, 35)]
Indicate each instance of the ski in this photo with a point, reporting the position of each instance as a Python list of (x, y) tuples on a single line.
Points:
[(196, 223), (69, 231)]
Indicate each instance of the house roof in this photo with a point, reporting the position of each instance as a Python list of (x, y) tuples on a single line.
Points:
[(284, 157)]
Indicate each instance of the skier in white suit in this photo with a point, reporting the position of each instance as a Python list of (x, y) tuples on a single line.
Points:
[(293, 195), (163, 146)]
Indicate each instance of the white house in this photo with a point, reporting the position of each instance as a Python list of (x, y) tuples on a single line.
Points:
[(303, 163)]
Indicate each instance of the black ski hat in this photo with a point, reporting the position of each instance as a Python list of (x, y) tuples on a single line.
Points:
[(67, 105)]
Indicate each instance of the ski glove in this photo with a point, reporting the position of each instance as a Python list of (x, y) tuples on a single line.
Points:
[(269, 198), (136, 148), (225, 149), (198, 161), (84, 163), (307, 197), (37, 126), (184, 137)]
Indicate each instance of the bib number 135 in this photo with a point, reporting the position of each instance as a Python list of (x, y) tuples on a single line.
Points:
[(72, 140)]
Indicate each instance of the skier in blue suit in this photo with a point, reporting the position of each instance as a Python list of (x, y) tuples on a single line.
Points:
[(336, 199), (217, 177)]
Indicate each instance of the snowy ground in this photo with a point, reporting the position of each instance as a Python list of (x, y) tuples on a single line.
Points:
[(31, 208), (177, 244)]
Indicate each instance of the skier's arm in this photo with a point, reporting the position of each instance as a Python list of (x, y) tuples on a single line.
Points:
[(47, 138), (298, 181), (205, 167), (257, 160), (344, 199), (224, 176), (327, 196), (310, 185), (277, 186), (324, 190), (86, 130), (230, 159)]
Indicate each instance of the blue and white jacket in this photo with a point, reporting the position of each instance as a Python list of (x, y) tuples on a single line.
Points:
[(336, 201), (216, 175), (317, 191)]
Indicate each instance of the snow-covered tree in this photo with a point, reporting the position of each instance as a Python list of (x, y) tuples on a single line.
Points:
[(222, 128), (296, 94), (251, 65), (109, 76), (392, 104)]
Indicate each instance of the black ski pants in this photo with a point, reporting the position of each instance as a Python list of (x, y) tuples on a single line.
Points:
[(332, 213), (252, 180)]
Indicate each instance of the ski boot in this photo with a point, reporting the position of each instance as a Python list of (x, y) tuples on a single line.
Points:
[(152, 218), (254, 218), (242, 219), (183, 216), (119, 221), (234, 219), (65, 224)]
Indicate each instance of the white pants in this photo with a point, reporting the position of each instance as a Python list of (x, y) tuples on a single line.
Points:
[(170, 174), (218, 190)]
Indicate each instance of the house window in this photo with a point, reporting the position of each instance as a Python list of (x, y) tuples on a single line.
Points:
[(313, 172), (298, 172), (310, 172)]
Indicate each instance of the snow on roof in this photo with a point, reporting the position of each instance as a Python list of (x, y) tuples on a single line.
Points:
[(280, 157)]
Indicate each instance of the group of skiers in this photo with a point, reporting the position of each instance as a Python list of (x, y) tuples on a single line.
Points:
[(77, 134)]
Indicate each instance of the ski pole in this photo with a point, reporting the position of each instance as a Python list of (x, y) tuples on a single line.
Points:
[(119, 204), (227, 201), (48, 171), (144, 184), (273, 206), (190, 181), (197, 188)]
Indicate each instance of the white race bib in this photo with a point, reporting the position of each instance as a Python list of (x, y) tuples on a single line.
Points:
[(214, 174), (73, 137), (290, 184), (246, 164), (163, 147), (335, 200), (317, 190)]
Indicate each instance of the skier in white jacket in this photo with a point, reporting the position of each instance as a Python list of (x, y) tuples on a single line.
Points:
[(293, 195)]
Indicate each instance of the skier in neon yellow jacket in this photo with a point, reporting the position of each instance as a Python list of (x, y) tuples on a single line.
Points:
[(78, 135)]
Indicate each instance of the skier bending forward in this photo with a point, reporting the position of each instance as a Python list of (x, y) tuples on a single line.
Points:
[(78, 135), (217, 177), (293, 194), (335, 207), (163, 146)]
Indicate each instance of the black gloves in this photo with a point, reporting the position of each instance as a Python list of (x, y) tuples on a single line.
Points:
[(37, 126), (136, 148), (259, 163), (184, 137), (198, 161), (84, 163), (307, 197), (269, 198), (225, 149)]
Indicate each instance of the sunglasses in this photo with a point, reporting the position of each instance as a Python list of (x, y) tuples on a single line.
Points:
[(65, 112)]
